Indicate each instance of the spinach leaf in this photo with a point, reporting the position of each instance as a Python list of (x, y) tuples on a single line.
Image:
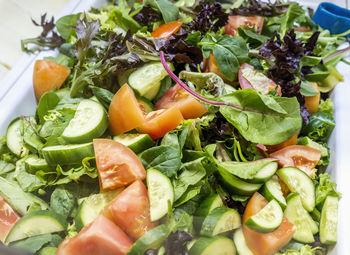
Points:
[(320, 127), (254, 39), (123, 19), (190, 193), (47, 102), (103, 95), (62, 60), (229, 52), (169, 11), (263, 119), (65, 25), (63, 200), (164, 158), (28, 182), (306, 89), (33, 244), (171, 139), (295, 13)]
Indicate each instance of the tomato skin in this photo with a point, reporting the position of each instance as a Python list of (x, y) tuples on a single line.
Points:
[(312, 102), (160, 122), (124, 111), (117, 165), (265, 243), (101, 237), (48, 76), (166, 30), (131, 210), (210, 66), (8, 218), (262, 83), (236, 21), (188, 105), (288, 142), (300, 156)]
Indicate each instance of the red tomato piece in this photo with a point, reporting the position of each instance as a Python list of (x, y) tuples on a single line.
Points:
[(248, 77), (236, 21), (158, 123), (265, 243), (124, 111), (300, 156), (188, 105), (166, 30), (8, 218), (101, 237), (117, 165), (131, 210), (48, 76)]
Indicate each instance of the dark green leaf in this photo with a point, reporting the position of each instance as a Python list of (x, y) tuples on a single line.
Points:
[(320, 127), (47, 102), (164, 158), (103, 95), (63, 201), (294, 14), (251, 37), (193, 38), (65, 25), (165, 84), (190, 193), (169, 11), (33, 244)]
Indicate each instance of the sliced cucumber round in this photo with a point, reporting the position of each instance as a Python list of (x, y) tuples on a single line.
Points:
[(36, 223), (220, 220), (153, 239), (241, 244), (34, 163), (71, 154), (91, 206), (272, 190), (267, 219), (160, 193), (265, 173), (236, 185), (90, 121), (136, 142), (296, 214), (218, 245), (146, 80), (329, 221), (14, 138), (300, 182)]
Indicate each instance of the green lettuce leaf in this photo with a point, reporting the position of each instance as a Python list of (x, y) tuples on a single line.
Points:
[(325, 188)]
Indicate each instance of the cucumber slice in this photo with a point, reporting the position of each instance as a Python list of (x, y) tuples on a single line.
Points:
[(90, 121), (14, 138), (145, 104), (296, 214), (218, 245), (146, 80), (300, 182), (160, 193), (241, 245), (36, 223), (329, 221), (236, 185), (91, 206), (136, 142), (267, 219), (272, 190), (153, 239), (34, 163), (265, 173), (220, 220), (71, 154)]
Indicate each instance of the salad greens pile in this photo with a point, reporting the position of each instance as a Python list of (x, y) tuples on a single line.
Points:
[(232, 141)]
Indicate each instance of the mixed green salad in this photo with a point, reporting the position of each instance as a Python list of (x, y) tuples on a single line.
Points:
[(175, 127)]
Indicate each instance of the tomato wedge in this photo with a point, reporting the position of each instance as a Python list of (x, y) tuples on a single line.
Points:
[(188, 105), (160, 122), (288, 142), (248, 77), (48, 76), (125, 113), (8, 218), (131, 210), (236, 21), (300, 156), (265, 243), (312, 102), (101, 237), (210, 66), (166, 30), (117, 164)]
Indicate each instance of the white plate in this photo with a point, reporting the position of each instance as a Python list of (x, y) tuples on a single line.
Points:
[(18, 99)]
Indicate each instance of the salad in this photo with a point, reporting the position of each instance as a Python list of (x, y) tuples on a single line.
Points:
[(175, 127)]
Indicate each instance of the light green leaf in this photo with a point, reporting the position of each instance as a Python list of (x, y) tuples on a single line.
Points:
[(306, 89)]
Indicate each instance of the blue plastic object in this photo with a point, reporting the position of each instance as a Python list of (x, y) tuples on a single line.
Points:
[(332, 17)]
